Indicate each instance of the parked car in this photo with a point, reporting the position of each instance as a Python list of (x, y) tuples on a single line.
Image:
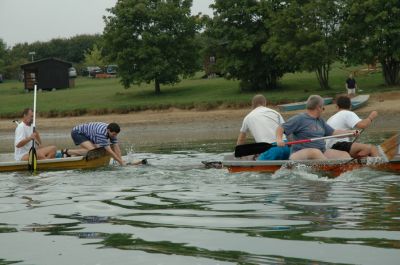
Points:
[(111, 69), (72, 72), (91, 71)]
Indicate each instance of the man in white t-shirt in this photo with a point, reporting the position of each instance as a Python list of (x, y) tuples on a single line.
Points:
[(345, 119), (262, 122), (23, 140)]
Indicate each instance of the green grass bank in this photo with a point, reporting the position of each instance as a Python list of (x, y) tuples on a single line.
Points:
[(104, 96)]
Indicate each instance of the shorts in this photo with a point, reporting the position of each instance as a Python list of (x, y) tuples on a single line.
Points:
[(79, 137), (275, 153), (342, 146), (351, 91)]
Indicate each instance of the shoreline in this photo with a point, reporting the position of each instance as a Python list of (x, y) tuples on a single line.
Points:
[(174, 125)]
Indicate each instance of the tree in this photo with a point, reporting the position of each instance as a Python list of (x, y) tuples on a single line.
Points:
[(306, 34), (152, 40), (93, 57), (3, 55), (241, 29), (372, 32)]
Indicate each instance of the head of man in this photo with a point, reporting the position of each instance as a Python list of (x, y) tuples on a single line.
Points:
[(258, 101), (27, 116), (343, 102), (315, 103), (113, 130)]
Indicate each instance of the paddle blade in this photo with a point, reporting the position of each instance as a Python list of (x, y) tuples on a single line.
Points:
[(32, 160), (251, 149), (390, 147)]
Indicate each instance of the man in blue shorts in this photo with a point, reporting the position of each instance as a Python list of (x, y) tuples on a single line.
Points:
[(96, 134), (262, 122)]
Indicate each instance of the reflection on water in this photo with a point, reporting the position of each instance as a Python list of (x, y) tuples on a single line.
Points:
[(174, 211)]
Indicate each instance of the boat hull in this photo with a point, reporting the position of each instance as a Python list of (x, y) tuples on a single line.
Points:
[(69, 163), (334, 168), (359, 101), (300, 105)]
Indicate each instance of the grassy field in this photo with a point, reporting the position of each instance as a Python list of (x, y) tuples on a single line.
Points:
[(102, 96)]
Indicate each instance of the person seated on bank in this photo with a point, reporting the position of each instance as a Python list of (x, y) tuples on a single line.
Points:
[(24, 135), (96, 134), (345, 119), (310, 125), (262, 123)]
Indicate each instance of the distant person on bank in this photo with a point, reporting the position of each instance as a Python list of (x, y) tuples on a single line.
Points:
[(351, 86), (262, 123), (96, 134), (24, 135)]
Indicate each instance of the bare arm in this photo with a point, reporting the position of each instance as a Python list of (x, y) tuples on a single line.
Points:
[(279, 136), (367, 121), (241, 138), (27, 140), (114, 154)]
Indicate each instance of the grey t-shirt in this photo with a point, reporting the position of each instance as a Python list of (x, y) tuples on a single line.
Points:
[(303, 126)]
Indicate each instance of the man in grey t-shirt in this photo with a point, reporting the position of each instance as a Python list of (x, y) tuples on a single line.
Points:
[(310, 125)]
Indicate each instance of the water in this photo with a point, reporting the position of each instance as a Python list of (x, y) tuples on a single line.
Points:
[(176, 212)]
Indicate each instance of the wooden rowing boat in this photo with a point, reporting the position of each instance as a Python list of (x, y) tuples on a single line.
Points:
[(94, 159), (334, 167), (300, 105), (359, 101)]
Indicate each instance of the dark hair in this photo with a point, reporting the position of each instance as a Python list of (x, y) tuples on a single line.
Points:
[(343, 102), (26, 111), (113, 127)]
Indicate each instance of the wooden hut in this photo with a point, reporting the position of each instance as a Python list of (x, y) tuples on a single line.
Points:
[(48, 73)]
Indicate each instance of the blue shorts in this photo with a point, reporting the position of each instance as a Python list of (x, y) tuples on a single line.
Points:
[(275, 153), (78, 137)]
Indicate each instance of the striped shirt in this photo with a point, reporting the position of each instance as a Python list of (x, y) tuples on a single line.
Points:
[(96, 132)]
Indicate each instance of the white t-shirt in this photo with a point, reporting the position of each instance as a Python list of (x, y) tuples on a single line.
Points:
[(262, 123), (21, 132), (342, 120)]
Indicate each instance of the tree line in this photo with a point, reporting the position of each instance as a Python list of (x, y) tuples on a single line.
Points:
[(254, 41)]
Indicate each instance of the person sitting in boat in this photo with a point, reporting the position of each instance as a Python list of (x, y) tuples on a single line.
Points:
[(96, 134), (262, 122), (24, 135), (345, 119), (310, 125)]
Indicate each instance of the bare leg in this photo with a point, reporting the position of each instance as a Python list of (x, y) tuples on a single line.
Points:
[(363, 150), (307, 153), (336, 154), (47, 152), (85, 147)]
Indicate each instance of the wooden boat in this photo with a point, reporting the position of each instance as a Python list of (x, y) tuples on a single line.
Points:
[(300, 105), (334, 167), (359, 101), (94, 159)]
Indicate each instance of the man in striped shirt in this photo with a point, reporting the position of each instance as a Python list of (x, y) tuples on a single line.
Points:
[(96, 134)]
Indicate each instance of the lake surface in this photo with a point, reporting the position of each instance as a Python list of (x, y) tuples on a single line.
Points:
[(173, 211)]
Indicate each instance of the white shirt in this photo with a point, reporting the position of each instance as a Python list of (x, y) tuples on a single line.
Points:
[(342, 120), (262, 123), (22, 132)]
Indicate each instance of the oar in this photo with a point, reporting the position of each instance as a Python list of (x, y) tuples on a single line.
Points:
[(32, 157), (389, 148), (257, 148)]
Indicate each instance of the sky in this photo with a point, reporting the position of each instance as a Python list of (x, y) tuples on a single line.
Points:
[(43, 20)]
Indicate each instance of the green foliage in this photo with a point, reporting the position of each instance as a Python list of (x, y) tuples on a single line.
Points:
[(240, 28), (3, 54), (152, 40), (306, 35), (93, 57), (372, 33)]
